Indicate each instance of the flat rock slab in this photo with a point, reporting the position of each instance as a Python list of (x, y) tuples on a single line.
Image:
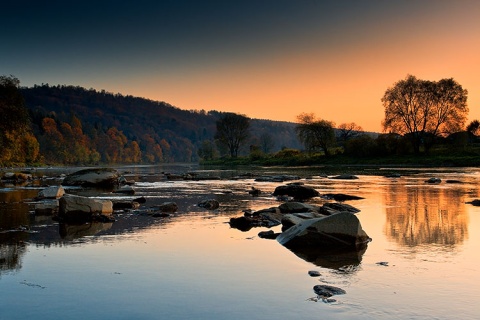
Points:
[(95, 177)]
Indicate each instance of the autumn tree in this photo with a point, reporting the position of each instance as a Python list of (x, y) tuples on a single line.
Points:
[(424, 110), (315, 133), (232, 132)]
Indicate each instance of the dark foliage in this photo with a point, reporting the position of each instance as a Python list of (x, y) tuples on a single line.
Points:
[(75, 125)]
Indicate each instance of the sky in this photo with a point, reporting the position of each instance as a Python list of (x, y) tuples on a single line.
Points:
[(270, 59)]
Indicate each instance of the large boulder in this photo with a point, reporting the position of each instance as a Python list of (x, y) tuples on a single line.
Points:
[(95, 177), (291, 219), (341, 230), (74, 208), (298, 192)]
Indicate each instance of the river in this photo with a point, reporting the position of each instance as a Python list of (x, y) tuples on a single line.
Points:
[(423, 261)]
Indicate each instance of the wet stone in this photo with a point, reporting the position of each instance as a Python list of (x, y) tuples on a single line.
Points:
[(327, 291), (314, 273)]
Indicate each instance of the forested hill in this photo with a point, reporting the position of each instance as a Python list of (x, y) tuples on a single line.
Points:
[(78, 125)]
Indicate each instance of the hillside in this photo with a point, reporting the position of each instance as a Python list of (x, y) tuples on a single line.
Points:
[(78, 125)]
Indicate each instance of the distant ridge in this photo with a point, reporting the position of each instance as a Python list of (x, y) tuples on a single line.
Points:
[(153, 125)]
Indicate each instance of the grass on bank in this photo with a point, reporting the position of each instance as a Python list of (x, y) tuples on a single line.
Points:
[(434, 159)]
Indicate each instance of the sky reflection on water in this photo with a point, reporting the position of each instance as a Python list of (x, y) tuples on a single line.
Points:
[(194, 265)]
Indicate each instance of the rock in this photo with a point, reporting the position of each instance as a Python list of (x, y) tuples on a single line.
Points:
[(140, 200), (338, 207), (433, 180), (341, 231), (128, 190), (264, 219), (123, 181), (19, 176), (277, 178), (52, 192), (168, 207), (298, 192), (475, 202), (74, 208), (453, 181), (289, 220), (314, 273), (344, 177), (255, 192), (340, 197), (210, 204), (122, 205), (293, 207), (326, 291), (96, 177), (161, 215), (243, 223), (46, 208), (393, 175), (268, 234)]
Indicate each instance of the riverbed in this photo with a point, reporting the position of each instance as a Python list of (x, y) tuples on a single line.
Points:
[(423, 261)]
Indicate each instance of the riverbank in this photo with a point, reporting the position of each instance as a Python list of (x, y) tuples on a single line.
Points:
[(413, 161)]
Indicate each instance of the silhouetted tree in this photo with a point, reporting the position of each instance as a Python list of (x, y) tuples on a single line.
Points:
[(474, 127), (315, 133), (232, 132), (14, 115), (346, 131), (424, 109)]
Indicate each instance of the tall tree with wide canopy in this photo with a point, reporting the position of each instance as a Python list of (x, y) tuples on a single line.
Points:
[(424, 110), (315, 133), (232, 132)]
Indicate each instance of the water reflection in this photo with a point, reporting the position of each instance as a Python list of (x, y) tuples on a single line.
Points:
[(11, 256), (71, 232), (425, 214), (331, 259)]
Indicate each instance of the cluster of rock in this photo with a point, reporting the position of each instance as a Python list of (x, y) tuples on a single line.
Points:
[(14, 177), (307, 225), (78, 209), (53, 200)]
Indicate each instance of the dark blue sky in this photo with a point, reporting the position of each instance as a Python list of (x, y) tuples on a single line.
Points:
[(268, 59)]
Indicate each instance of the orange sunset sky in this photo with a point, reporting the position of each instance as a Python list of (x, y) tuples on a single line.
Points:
[(265, 59)]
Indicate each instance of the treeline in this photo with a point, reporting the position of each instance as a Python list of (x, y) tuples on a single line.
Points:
[(72, 125)]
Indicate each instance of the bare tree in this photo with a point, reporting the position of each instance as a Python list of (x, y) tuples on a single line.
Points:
[(346, 131), (423, 110)]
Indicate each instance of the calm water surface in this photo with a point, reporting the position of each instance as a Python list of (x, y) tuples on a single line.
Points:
[(194, 266)]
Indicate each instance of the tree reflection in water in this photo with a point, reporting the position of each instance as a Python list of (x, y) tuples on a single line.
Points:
[(426, 214)]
